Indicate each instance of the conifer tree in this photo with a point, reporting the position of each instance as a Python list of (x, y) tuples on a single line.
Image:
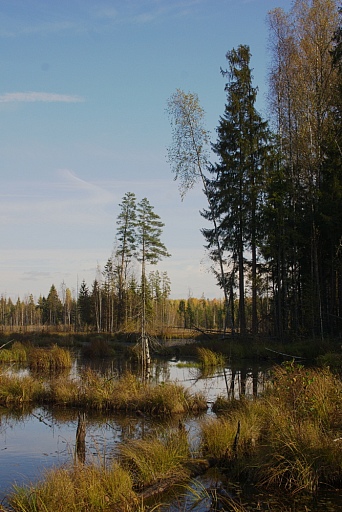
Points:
[(237, 187), (84, 304), (149, 249), (126, 239)]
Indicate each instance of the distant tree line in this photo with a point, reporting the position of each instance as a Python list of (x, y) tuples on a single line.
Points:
[(97, 311), (275, 191)]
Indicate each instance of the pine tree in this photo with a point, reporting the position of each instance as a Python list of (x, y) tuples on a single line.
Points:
[(149, 249), (126, 239)]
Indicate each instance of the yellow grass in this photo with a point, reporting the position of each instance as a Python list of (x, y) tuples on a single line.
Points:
[(78, 489)]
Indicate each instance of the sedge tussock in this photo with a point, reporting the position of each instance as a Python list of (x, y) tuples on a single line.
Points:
[(53, 358), (16, 354), (150, 460), (77, 489), (19, 389), (209, 358), (234, 435), (291, 430)]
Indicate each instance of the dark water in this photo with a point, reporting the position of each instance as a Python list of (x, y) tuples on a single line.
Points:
[(41, 438)]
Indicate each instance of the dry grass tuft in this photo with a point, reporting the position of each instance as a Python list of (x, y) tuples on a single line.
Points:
[(291, 430), (16, 389), (77, 489), (154, 459), (54, 358)]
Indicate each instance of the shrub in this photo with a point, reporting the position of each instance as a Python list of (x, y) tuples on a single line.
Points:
[(98, 347)]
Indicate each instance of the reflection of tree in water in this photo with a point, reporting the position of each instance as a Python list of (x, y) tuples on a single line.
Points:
[(80, 451), (11, 417)]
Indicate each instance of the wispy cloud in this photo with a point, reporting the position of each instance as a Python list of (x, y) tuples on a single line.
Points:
[(46, 97), (90, 16), (109, 13), (153, 10)]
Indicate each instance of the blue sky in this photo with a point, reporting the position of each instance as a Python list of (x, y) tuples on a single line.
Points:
[(83, 93)]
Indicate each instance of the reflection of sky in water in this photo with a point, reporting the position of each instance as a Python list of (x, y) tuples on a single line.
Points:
[(31, 443), (28, 446), (40, 440), (190, 378)]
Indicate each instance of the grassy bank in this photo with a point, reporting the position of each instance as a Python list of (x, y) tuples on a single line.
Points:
[(291, 437), (95, 391), (231, 348), (37, 358)]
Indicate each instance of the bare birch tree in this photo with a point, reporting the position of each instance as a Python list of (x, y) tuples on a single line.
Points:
[(188, 156)]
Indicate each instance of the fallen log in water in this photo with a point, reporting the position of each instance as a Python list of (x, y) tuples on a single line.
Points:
[(284, 355), (191, 469)]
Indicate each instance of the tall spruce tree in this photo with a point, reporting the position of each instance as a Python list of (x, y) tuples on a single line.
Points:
[(237, 187), (84, 305)]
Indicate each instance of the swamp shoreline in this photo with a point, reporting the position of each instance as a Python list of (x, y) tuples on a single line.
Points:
[(254, 439)]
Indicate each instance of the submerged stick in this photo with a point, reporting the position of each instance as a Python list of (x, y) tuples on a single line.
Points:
[(7, 342), (282, 354), (236, 439)]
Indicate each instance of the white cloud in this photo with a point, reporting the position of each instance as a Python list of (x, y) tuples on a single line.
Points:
[(47, 97)]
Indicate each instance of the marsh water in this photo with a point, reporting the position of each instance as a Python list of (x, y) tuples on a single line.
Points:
[(40, 438)]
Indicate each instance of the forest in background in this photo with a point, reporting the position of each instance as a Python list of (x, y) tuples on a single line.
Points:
[(274, 203)]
